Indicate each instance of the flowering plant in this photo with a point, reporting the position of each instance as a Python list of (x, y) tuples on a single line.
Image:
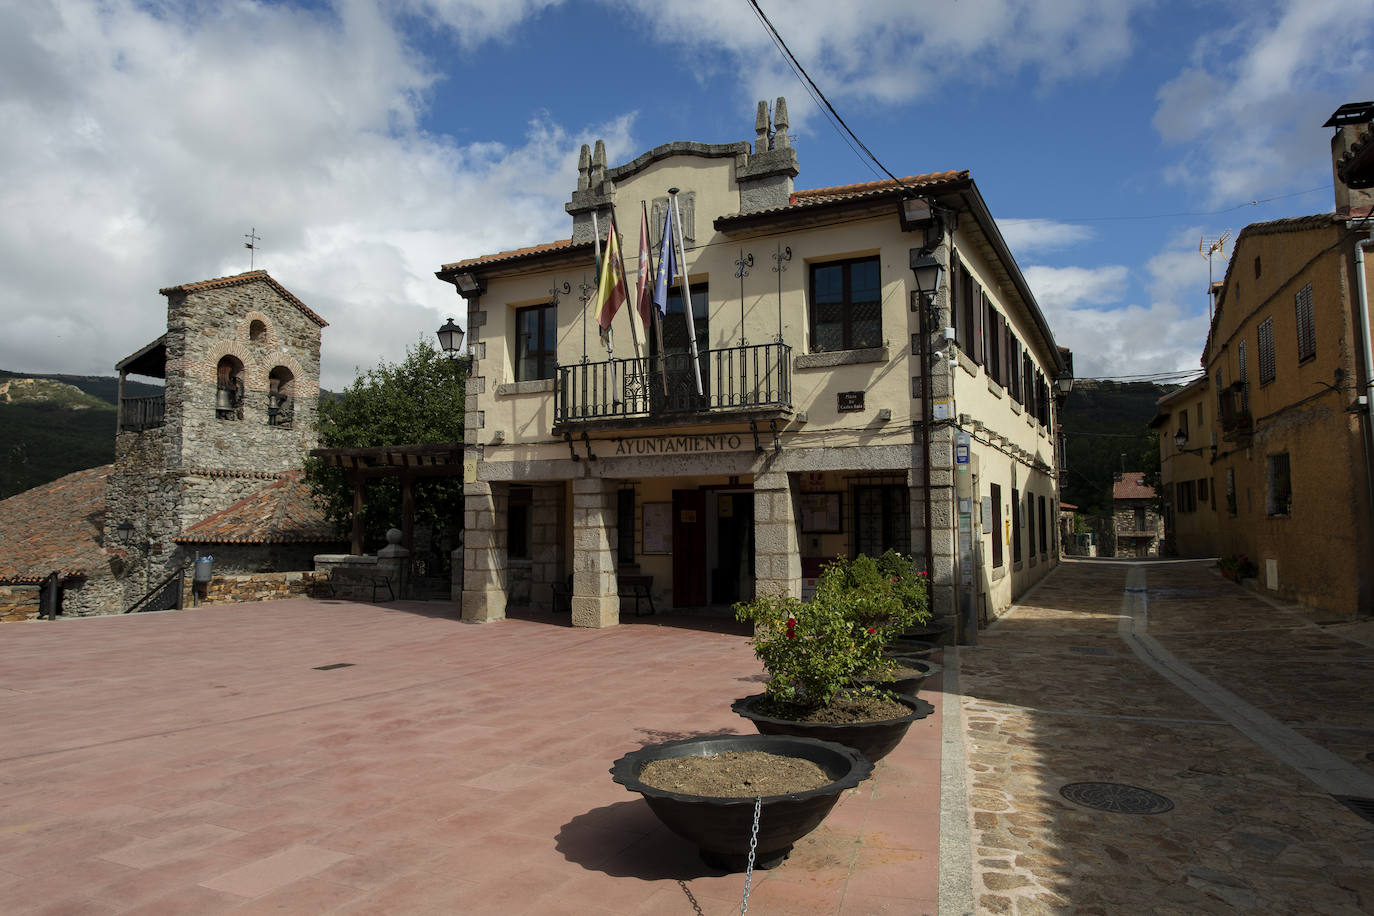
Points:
[(812, 649)]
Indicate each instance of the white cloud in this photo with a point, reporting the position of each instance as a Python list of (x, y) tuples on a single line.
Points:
[(1032, 236), (142, 142), (1254, 96), (1108, 339)]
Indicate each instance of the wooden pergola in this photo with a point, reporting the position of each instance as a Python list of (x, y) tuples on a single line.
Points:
[(404, 461)]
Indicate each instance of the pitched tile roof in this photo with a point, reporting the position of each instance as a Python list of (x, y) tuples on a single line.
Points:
[(249, 277), (872, 188), (513, 255), (1132, 486), (282, 512), (54, 528)]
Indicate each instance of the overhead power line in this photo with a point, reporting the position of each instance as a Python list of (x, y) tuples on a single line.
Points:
[(818, 96)]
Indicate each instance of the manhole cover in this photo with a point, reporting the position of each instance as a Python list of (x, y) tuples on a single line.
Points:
[(1116, 797), (333, 666)]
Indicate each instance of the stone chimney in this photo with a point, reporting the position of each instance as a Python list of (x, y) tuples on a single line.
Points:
[(765, 177), (1351, 158)]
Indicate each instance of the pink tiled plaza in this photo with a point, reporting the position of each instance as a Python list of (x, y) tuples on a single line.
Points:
[(198, 762)]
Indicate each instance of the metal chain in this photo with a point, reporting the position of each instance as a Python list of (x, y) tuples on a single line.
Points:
[(753, 844)]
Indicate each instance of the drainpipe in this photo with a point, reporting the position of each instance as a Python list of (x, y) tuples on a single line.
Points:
[(1361, 284)]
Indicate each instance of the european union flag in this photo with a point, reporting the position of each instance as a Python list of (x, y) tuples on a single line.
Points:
[(667, 264)]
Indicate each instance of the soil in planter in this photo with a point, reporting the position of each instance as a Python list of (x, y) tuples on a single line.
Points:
[(901, 671), (735, 774), (843, 710)]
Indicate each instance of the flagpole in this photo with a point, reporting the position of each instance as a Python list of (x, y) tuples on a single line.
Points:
[(634, 334), (685, 290)]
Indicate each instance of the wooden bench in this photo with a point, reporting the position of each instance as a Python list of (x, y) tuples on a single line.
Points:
[(640, 588)]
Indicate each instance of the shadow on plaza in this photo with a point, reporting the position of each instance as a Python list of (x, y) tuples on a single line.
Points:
[(627, 840)]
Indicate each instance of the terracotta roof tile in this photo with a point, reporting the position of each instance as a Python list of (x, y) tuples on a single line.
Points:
[(512, 255), (1132, 486), (55, 527), (282, 512), (249, 277), (870, 188)]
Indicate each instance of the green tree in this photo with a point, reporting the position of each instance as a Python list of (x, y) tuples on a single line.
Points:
[(418, 401)]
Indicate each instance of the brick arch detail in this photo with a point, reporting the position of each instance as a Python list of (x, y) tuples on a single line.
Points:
[(270, 339), (304, 386), (253, 375)]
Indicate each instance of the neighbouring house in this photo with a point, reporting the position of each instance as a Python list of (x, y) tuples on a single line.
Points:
[(52, 540), (834, 406), (1288, 362), (1137, 525), (1187, 448)]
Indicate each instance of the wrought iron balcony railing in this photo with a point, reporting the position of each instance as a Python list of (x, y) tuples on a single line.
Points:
[(141, 413), (751, 377)]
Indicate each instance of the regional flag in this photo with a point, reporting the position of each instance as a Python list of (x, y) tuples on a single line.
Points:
[(667, 264), (610, 293), (644, 291)]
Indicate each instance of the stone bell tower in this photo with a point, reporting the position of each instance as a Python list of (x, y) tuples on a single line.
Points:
[(241, 361)]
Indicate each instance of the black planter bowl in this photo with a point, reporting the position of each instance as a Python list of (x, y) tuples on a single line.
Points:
[(872, 739), (910, 684), (910, 648), (721, 827), (931, 631)]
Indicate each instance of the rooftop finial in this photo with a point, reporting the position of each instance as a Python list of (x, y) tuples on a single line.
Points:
[(780, 140), (761, 129), (584, 164), (598, 172)]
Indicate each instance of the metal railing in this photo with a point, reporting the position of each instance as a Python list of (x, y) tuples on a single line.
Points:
[(141, 413), (164, 596), (732, 378)]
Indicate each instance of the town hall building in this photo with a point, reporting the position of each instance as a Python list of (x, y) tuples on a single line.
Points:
[(872, 373)]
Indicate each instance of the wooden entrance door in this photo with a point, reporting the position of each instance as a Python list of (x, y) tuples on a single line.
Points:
[(689, 548)]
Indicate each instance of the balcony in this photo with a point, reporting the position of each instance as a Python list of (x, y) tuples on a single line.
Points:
[(1236, 420), (138, 414), (752, 380)]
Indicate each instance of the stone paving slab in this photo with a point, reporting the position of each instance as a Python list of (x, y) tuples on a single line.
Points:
[(1246, 833), (196, 762)]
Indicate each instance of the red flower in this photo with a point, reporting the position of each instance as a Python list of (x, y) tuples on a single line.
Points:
[(871, 631), (791, 633)]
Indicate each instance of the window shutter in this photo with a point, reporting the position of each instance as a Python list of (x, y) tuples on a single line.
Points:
[(979, 332), (1243, 379), (1307, 332), (1266, 350)]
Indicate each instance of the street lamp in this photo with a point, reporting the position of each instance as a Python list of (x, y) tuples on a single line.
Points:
[(1180, 439), (1064, 383), (450, 338), (125, 533)]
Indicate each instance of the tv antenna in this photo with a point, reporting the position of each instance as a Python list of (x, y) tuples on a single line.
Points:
[(253, 238), (1208, 247)]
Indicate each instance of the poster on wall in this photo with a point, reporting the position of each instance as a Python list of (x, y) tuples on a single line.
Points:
[(658, 527), (820, 513)]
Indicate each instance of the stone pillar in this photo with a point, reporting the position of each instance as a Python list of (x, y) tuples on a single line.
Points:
[(484, 553), (944, 534), (777, 544), (594, 601), (394, 560)]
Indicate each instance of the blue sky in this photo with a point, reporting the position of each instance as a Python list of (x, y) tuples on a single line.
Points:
[(369, 142)]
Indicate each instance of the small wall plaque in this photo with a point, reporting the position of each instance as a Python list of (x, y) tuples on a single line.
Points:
[(846, 401)]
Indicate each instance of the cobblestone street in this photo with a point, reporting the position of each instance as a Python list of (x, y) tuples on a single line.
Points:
[(1247, 715)]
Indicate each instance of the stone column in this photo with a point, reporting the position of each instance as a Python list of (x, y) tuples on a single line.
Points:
[(777, 544), (594, 602), (944, 536), (484, 553)]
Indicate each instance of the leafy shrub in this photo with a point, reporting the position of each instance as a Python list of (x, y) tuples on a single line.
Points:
[(812, 649)]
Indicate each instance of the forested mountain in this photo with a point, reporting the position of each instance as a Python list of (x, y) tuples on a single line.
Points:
[(1105, 430), (51, 425)]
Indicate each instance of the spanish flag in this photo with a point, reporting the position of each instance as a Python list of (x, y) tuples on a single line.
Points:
[(610, 292)]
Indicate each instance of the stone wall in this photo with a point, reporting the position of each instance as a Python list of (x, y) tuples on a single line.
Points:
[(235, 589), (18, 602)]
